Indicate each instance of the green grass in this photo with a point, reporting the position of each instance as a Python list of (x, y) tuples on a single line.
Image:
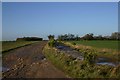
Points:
[(79, 69), (110, 44), (100, 48), (10, 45)]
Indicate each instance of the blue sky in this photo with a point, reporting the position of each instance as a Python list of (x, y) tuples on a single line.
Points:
[(21, 19)]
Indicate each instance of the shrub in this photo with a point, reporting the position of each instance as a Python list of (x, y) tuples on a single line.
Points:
[(51, 37), (90, 57), (51, 43), (73, 43)]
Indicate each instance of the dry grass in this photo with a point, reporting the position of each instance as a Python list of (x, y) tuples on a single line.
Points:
[(101, 52)]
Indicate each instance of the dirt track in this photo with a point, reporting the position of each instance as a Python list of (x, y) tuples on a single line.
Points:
[(29, 62)]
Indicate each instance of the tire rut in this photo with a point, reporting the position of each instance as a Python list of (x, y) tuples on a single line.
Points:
[(29, 62)]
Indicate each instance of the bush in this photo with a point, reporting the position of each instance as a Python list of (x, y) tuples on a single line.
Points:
[(73, 43), (90, 57), (51, 43)]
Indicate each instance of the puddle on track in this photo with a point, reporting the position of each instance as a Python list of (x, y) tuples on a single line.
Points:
[(4, 69)]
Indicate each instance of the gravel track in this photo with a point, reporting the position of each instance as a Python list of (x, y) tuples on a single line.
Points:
[(29, 62)]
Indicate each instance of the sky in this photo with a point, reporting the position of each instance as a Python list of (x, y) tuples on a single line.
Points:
[(60, 0), (40, 19), (0, 23)]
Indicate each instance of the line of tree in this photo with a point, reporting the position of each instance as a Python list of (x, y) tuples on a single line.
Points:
[(29, 39), (68, 37), (90, 36)]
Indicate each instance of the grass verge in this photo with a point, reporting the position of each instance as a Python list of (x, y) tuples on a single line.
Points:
[(11, 45), (101, 52), (79, 69)]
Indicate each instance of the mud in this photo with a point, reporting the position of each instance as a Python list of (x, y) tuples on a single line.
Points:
[(29, 62)]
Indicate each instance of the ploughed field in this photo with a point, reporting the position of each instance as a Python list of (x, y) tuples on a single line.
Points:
[(29, 62)]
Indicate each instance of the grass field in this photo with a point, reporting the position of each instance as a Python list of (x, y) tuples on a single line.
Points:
[(99, 43), (8, 45)]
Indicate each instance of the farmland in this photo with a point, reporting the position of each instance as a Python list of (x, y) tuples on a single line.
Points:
[(76, 59), (9, 45), (110, 44), (84, 61), (73, 40)]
